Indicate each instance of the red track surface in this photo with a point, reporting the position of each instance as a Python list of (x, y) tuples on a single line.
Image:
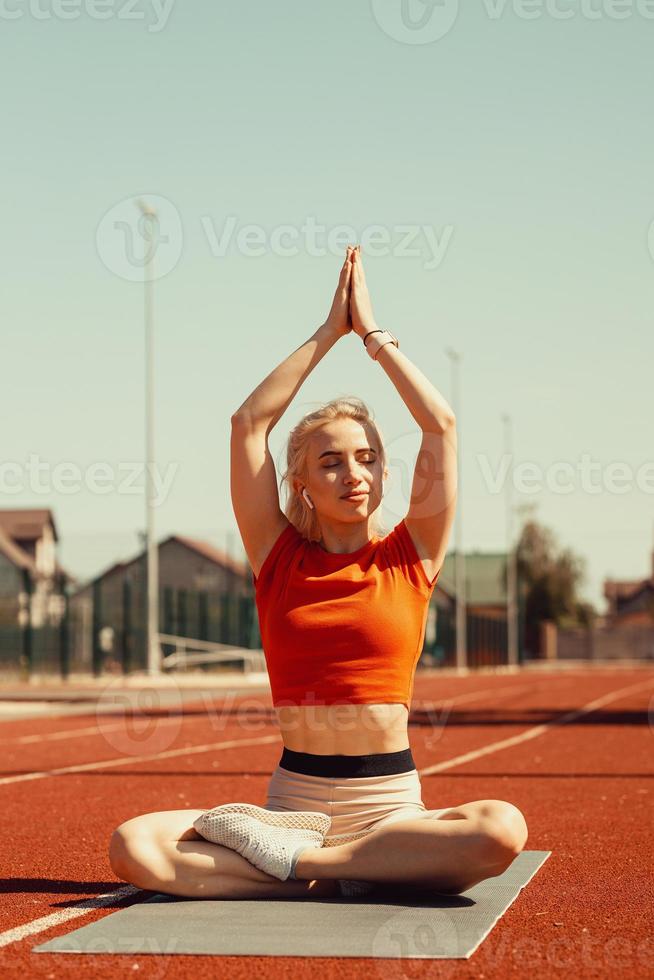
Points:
[(585, 788)]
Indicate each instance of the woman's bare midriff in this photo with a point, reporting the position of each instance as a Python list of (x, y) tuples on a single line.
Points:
[(344, 729)]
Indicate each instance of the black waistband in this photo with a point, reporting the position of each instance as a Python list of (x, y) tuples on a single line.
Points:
[(377, 764)]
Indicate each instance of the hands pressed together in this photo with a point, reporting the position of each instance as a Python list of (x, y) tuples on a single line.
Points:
[(351, 308)]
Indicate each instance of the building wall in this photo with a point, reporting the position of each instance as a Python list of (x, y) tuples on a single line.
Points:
[(11, 585), (611, 643), (491, 612), (637, 610), (29, 624), (181, 568), (635, 617), (197, 599)]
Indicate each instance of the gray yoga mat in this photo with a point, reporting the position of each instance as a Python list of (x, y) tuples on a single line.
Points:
[(377, 925)]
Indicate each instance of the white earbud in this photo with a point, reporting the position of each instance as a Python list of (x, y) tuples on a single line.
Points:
[(307, 498)]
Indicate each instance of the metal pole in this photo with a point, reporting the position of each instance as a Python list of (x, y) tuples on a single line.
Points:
[(460, 587), (152, 573), (511, 554)]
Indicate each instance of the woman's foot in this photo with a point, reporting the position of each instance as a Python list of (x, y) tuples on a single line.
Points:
[(355, 889), (349, 888), (270, 840)]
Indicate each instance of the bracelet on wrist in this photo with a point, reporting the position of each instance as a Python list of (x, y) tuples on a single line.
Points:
[(376, 344), (369, 333)]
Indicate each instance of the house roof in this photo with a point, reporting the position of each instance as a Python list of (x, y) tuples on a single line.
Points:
[(209, 551), (623, 590), (485, 577), (14, 553), (27, 523), (630, 600), (202, 548)]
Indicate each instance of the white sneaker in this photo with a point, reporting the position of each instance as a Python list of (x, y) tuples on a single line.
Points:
[(270, 840)]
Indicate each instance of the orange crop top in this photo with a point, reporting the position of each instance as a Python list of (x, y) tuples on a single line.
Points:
[(342, 628)]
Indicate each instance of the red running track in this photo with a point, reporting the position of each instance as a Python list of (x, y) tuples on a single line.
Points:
[(571, 748)]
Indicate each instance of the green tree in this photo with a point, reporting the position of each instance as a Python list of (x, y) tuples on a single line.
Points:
[(549, 579)]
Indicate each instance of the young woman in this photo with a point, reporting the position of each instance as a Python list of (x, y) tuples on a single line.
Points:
[(342, 611)]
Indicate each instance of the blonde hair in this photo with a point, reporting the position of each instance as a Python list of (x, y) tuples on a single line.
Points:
[(297, 452)]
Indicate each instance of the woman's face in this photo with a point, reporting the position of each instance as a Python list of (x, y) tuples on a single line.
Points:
[(344, 457)]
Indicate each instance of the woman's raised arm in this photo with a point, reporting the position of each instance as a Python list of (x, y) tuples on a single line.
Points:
[(434, 490), (253, 480), (270, 399)]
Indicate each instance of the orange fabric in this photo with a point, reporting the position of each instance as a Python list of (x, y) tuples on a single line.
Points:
[(342, 628)]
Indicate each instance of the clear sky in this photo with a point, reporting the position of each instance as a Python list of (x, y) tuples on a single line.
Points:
[(496, 163)]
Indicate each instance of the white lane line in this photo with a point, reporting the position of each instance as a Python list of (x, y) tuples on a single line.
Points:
[(107, 709), (79, 732), (18, 707), (64, 915), (128, 760), (100, 730), (494, 692), (537, 730), (110, 709), (80, 908)]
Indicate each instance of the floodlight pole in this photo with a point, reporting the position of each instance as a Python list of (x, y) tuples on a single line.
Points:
[(152, 573), (511, 555), (460, 585)]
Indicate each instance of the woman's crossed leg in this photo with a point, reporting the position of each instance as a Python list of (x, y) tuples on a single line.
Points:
[(445, 851), (163, 852)]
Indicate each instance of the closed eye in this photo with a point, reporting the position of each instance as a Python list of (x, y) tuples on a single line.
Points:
[(329, 466)]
